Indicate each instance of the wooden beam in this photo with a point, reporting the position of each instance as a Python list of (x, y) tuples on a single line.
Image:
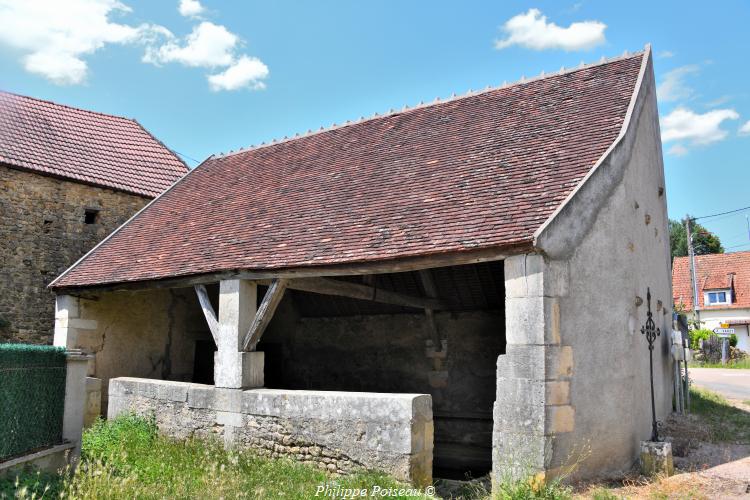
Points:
[(328, 286), (264, 314), (208, 311), (377, 267), (431, 290)]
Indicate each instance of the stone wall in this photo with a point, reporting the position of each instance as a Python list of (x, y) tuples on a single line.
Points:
[(336, 431), (42, 232), (574, 387)]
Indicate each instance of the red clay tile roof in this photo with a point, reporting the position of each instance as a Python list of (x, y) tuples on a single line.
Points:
[(84, 146), (480, 171), (713, 272)]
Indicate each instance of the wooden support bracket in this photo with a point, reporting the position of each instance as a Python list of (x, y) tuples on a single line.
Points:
[(431, 290), (263, 316), (208, 311)]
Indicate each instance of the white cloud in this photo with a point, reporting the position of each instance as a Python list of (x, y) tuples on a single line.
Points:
[(54, 37), (212, 46), (745, 129), (678, 150), (665, 54), (246, 72), (191, 8), (672, 86), (533, 31), (696, 129), (209, 45)]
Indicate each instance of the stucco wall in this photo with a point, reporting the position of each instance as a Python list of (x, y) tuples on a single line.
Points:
[(148, 333), (42, 232), (611, 261)]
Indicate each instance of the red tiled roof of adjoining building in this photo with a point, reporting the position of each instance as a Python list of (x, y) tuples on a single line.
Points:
[(84, 146), (714, 272), (477, 172)]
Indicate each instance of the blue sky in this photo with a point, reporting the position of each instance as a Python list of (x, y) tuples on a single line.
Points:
[(212, 76)]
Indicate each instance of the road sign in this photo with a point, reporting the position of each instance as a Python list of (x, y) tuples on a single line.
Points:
[(725, 331)]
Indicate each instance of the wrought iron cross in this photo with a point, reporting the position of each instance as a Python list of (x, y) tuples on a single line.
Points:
[(651, 332)]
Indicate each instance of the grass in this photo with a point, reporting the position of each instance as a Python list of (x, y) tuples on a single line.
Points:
[(126, 458), (741, 364), (724, 422)]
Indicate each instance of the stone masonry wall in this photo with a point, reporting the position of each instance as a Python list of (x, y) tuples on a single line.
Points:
[(336, 431), (42, 232)]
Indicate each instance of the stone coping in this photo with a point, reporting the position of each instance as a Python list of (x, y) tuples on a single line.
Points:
[(329, 405), (33, 457)]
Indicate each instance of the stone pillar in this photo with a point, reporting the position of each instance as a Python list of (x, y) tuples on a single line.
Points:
[(71, 330), (75, 400), (66, 312), (533, 400), (234, 369)]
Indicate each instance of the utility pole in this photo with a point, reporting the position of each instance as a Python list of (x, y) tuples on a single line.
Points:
[(693, 273)]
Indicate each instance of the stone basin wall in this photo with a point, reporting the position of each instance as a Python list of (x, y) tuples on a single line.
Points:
[(337, 431)]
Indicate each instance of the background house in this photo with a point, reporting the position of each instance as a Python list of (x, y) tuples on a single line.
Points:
[(723, 291), (68, 177)]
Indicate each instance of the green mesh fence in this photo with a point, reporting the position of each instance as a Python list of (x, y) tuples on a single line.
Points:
[(32, 397)]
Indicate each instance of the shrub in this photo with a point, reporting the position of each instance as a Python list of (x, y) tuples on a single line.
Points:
[(697, 335), (733, 340)]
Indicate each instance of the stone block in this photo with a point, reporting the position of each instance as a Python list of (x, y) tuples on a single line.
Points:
[(524, 320), (66, 306), (531, 276), (560, 419), (228, 400), (238, 370), (557, 392), (519, 407), (558, 362), (516, 456), (170, 391), (200, 396), (656, 458), (522, 362)]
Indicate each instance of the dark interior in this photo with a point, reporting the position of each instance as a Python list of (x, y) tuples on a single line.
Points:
[(324, 342)]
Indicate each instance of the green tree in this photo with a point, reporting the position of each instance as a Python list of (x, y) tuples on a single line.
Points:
[(704, 241)]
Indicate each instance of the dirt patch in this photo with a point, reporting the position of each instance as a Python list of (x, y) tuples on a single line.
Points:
[(711, 454)]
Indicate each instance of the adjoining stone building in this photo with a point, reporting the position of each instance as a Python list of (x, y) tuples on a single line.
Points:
[(68, 177), (455, 288)]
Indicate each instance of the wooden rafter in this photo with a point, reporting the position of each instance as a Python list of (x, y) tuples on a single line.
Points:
[(263, 316), (328, 286), (208, 311)]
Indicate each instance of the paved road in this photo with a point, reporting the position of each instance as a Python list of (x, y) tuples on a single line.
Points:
[(730, 383)]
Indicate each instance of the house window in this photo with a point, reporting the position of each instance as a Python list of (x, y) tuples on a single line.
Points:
[(718, 297), (91, 216)]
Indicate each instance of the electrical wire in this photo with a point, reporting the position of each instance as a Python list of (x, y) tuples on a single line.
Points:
[(721, 213)]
